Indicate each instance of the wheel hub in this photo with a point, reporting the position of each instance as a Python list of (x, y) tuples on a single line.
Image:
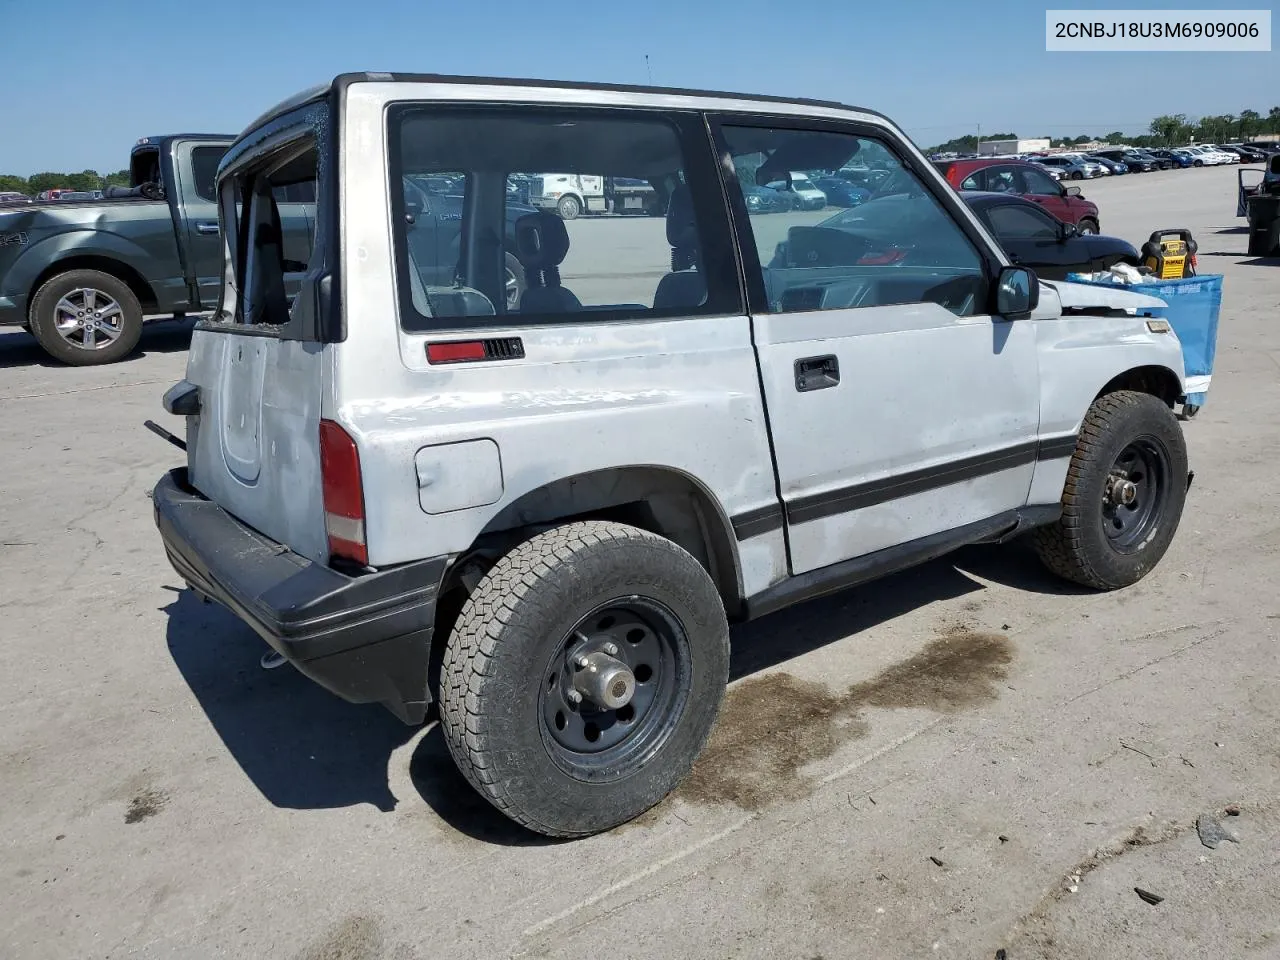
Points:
[(1122, 492), (604, 681)]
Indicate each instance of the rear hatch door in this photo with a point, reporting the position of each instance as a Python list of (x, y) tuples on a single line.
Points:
[(259, 364)]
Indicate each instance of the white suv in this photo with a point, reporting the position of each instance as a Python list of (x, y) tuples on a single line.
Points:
[(544, 511)]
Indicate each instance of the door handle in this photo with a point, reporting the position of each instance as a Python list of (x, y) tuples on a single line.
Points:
[(207, 229), (817, 373)]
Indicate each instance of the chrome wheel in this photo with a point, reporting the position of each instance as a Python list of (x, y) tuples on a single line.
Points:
[(88, 319), (512, 286)]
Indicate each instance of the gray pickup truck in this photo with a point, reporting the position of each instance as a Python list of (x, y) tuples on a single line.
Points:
[(83, 276)]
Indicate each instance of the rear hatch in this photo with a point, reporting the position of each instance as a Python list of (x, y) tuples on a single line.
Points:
[(259, 365)]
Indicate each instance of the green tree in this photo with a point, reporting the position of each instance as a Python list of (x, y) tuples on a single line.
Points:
[(1273, 119), (1083, 138), (1170, 128), (10, 183), (46, 181), (85, 180), (1250, 124), (1115, 136), (118, 179)]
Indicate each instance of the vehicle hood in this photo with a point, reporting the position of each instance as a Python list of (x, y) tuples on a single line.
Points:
[(1087, 297), (1099, 244)]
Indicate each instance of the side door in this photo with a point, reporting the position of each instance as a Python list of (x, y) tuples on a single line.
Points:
[(1039, 187), (899, 408), (196, 170), (1034, 239)]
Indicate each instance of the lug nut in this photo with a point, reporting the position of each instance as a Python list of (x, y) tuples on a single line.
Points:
[(574, 697), (581, 660), (611, 649)]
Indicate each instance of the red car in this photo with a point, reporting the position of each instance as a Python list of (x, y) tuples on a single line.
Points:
[(1027, 180)]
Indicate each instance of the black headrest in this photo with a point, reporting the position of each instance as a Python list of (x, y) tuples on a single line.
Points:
[(682, 227), (542, 242)]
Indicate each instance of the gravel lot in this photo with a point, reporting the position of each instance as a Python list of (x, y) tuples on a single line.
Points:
[(961, 758)]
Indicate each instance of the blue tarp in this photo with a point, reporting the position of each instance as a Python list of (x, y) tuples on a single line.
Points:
[(1193, 307)]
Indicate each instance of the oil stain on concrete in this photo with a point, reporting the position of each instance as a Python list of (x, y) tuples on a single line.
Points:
[(146, 803), (772, 726), (352, 938)]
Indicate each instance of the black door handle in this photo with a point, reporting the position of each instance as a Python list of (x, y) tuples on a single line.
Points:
[(817, 373)]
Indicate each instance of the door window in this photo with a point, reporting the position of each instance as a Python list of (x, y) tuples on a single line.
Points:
[(204, 171), (1040, 184), (900, 246), (1013, 221), (553, 216)]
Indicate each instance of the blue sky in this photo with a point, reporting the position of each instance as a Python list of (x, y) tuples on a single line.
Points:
[(83, 80)]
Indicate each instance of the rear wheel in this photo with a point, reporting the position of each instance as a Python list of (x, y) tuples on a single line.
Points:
[(583, 676), (1124, 494), (1077, 175), (568, 208), (85, 317), (1199, 163)]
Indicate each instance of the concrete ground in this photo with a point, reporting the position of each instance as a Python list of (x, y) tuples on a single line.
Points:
[(963, 758)]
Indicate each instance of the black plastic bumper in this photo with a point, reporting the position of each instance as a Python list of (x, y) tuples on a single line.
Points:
[(365, 638)]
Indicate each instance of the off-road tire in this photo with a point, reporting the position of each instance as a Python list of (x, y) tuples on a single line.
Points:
[(569, 208), (1076, 547), (517, 618), (44, 329)]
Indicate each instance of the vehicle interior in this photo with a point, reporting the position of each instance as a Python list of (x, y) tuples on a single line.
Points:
[(457, 243), (900, 246)]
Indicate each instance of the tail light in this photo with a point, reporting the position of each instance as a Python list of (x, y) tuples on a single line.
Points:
[(343, 493)]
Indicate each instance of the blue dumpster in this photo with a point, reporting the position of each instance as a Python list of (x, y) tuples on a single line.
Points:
[(1193, 307)]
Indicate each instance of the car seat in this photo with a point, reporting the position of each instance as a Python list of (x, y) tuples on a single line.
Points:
[(684, 286), (541, 243)]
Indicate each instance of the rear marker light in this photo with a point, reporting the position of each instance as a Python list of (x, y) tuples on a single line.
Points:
[(465, 351), (343, 493)]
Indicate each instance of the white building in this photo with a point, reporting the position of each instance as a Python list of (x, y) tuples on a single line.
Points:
[(1000, 148)]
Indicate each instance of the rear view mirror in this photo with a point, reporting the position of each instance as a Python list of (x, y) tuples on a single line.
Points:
[(1073, 191), (1017, 293)]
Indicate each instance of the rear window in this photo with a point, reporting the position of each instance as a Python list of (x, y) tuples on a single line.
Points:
[(554, 216)]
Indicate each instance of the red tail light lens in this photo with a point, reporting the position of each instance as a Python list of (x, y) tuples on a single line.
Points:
[(343, 493)]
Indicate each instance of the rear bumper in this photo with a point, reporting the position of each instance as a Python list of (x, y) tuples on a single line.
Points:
[(366, 638)]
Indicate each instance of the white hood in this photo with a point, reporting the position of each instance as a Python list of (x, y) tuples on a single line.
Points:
[(1085, 296)]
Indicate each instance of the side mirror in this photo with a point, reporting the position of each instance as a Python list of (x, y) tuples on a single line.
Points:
[(1069, 230), (1073, 191), (1017, 293)]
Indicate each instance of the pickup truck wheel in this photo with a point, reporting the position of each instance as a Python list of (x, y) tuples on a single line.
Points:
[(1123, 499), (568, 208), (513, 282), (583, 676), (1087, 226), (85, 317)]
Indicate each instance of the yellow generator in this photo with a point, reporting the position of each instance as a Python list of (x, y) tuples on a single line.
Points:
[(1170, 254)]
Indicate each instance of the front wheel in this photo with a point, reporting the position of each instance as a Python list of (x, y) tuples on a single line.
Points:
[(1087, 227), (583, 676), (1124, 494), (1077, 175), (568, 208)]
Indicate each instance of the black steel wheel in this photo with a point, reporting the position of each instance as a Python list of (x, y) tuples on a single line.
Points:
[(1125, 489), (1135, 493), (583, 676), (633, 650)]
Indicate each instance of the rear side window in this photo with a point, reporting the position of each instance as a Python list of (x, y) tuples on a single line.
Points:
[(1039, 183), (550, 215)]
